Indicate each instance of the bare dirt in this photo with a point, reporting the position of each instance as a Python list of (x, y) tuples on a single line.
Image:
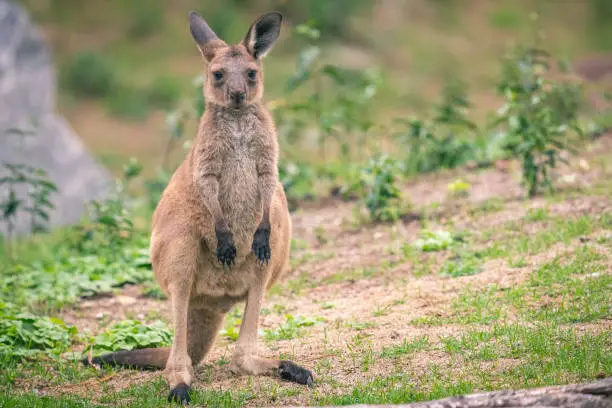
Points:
[(361, 312)]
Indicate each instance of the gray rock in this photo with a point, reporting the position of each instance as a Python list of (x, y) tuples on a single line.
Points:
[(27, 101)]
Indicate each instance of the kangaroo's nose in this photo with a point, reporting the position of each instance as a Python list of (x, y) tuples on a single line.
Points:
[(238, 98)]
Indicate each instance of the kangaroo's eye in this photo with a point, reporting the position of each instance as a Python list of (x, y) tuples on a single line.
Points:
[(252, 74), (218, 75)]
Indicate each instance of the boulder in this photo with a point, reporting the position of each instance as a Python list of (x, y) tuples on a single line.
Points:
[(31, 132)]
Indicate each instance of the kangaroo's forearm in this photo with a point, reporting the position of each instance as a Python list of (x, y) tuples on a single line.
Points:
[(208, 188), (267, 187)]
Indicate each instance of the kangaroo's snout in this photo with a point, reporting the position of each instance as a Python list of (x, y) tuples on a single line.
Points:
[(237, 98)]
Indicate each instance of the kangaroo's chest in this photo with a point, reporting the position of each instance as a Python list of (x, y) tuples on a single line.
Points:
[(238, 179), (239, 195)]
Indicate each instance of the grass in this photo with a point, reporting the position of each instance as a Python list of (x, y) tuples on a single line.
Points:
[(491, 336), (292, 327), (561, 291), (152, 394), (405, 348), (529, 322), (558, 230), (529, 339), (522, 356)]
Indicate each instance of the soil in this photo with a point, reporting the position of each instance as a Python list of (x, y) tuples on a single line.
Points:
[(367, 311)]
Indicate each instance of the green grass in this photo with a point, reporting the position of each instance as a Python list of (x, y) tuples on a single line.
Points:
[(405, 348), (490, 206), (506, 19), (461, 264), (540, 355), (48, 371), (292, 327), (558, 230), (152, 394), (350, 275), (574, 290), (529, 339)]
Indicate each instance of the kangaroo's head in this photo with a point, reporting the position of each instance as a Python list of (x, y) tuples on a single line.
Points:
[(234, 76)]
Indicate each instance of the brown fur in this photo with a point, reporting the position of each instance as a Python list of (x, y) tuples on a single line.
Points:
[(209, 240)]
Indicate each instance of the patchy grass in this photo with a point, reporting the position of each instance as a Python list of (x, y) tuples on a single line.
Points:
[(489, 305), (405, 348), (153, 394), (577, 291), (520, 356), (559, 230), (291, 328)]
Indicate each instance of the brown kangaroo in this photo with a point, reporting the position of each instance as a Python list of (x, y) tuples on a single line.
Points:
[(221, 231)]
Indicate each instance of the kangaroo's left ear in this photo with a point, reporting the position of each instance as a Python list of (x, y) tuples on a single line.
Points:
[(262, 34)]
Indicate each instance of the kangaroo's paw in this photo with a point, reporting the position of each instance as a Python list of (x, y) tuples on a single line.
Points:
[(289, 371), (180, 394), (261, 244)]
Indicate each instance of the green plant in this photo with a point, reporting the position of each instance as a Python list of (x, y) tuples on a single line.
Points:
[(461, 264), (439, 142), (24, 335), (39, 189), (131, 334), (88, 74), (339, 101), (292, 328), (44, 286), (144, 21), (297, 179), (155, 186), (164, 92), (18, 176), (153, 291), (332, 18), (431, 241), (176, 121), (459, 188), (128, 102), (233, 320), (535, 117), (378, 189), (111, 222), (406, 347)]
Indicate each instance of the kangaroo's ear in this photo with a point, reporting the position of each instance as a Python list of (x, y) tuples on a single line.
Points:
[(204, 36), (262, 34)]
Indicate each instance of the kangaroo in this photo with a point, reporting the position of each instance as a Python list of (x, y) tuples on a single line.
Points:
[(221, 231)]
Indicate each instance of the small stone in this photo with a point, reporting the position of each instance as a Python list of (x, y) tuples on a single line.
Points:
[(584, 165), (125, 300), (569, 178)]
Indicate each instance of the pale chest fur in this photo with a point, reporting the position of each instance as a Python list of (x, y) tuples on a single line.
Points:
[(239, 195)]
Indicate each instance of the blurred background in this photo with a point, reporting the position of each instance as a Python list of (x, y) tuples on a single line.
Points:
[(122, 65), (348, 79)]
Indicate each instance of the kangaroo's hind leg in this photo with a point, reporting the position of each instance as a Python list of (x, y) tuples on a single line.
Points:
[(175, 264), (202, 328), (245, 359)]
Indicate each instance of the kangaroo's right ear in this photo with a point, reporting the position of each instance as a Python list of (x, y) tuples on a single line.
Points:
[(205, 37), (262, 34)]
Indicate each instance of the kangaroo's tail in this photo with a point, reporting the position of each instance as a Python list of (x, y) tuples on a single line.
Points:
[(141, 359)]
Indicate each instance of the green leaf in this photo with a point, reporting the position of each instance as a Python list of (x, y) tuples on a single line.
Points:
[(306, 60)]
